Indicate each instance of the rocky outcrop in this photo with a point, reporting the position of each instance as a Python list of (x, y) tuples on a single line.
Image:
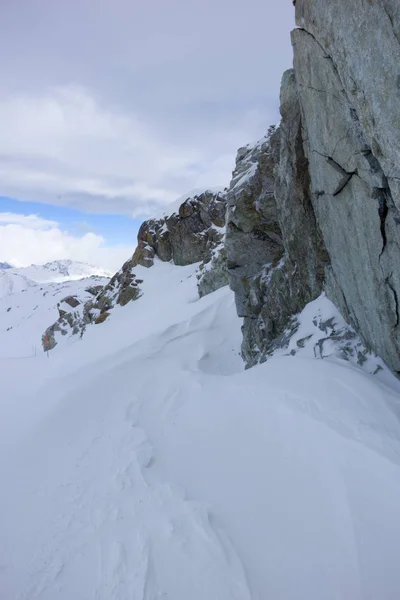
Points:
[(316, 204), (192, 234), (187, 236), (275, 253), (213, 274), (75, 314), (195, 233), (123, 287), (348, 84)]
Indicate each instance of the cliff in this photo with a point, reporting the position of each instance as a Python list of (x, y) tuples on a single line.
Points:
[(312, 208), (193, 234), (319, 206)]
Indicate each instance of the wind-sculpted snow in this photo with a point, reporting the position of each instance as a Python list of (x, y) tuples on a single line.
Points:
[(144, 463)]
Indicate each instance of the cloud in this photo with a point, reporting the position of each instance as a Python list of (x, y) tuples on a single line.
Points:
[(29, 221), (157, 103), (28, 239)]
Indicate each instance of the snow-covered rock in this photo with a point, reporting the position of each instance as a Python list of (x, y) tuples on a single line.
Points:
[(76, 314), (27, 308), (192, 234)]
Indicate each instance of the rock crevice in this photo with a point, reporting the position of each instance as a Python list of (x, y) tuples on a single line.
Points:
[(332, 183)]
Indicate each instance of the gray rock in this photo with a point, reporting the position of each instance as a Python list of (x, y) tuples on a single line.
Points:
[(366, 61), (72, 301), (94, 289), (185, 237), (276, 256), (331, 190), (352, 194), (253, 236), (214, 274), (122, 288)]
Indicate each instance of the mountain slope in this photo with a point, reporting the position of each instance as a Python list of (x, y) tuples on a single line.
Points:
[(11, 283), (26, 308), (61, 270), (175, 474)]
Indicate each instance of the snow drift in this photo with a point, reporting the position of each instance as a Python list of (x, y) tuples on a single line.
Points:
[(142, 462)]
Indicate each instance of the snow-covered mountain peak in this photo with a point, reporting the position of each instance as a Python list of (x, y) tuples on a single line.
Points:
[(61, 270), (5, 265)]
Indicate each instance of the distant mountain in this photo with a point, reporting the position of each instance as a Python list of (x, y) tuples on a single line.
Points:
[(5, 265), (61, 270)]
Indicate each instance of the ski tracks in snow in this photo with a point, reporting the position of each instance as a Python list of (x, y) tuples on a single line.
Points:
[(127, 535)]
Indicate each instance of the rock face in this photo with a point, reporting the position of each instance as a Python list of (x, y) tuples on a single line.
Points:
[(123, 287), (213, 274), (316, 204), (192, 235), (195, 233), (185, 237), (76, 315), (350, 100), (275, 253)]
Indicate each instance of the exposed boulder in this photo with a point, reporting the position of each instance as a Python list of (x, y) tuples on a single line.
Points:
[(72, 301), (94, 289)]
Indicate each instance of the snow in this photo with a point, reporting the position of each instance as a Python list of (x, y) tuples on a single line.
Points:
[(5, 265), (246, 176), (11, 283), (142, 462), (27, 309), (60, 271)]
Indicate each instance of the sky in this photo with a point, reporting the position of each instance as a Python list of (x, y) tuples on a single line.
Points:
[(112, 110)]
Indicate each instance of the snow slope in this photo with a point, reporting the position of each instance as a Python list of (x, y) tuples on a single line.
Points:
[(143, 463), (28, 308), (11, 283), (61, 270)]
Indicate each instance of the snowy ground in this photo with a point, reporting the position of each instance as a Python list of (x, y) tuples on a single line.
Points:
[(143, 463), (27, 308)]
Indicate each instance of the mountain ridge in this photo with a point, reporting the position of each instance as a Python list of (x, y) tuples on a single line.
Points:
[(60, 270)]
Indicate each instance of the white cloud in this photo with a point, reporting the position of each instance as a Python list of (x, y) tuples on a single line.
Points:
[(67, 149), (156, 104), (29, 239), (30, 221), (64, 144)]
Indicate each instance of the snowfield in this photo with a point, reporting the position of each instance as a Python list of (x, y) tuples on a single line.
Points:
[(27, 308), (60, 271), (142, 462)]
